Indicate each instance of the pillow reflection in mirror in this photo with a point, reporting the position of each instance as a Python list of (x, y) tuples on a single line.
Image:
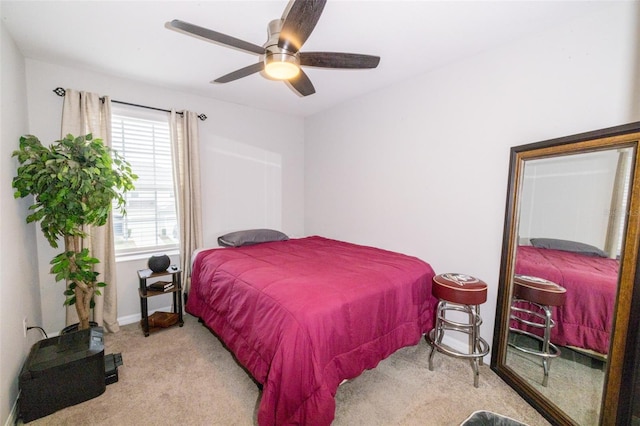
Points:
[(566, 245)]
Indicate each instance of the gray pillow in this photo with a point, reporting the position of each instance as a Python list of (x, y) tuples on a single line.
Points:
[(565, 245), (250, 237)]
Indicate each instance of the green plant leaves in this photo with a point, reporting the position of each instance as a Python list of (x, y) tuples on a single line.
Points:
[(73, 182), (74, 267)]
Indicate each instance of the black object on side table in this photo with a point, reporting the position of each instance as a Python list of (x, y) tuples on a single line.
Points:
[(146, 290)]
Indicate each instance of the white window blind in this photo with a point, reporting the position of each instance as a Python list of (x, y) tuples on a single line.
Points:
[(142, 138)]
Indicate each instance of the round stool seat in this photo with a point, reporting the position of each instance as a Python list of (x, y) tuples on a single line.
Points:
[(538, 290), (459, 288)]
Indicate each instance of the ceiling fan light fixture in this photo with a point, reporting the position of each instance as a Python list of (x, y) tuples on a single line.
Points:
[(280, 56), (281, 66)]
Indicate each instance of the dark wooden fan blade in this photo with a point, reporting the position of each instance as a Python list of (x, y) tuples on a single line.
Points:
[(338, 60), (301, 84), (300, 20), (242, 72), (215, 36)]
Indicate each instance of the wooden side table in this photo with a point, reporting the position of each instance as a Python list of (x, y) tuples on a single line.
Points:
[(145, 293)]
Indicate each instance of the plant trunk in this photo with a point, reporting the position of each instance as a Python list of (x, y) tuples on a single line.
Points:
[(83, 306), (83, 292)]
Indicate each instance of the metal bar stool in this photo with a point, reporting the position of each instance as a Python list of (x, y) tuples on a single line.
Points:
[(531, 305), (461, 293)]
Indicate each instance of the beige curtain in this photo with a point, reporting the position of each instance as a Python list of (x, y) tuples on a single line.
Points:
[(85, 113), (186, 166), (617, 214)]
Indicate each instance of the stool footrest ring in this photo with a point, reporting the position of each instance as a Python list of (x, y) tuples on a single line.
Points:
[(483, 350), (554, 351)]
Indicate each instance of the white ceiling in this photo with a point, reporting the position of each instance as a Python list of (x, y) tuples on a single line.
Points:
[(129, 39)]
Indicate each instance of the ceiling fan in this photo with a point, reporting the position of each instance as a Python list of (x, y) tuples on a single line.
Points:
[(280, 56)]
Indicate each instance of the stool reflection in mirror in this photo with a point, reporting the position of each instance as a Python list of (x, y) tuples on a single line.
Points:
[(461, 293), (531, 309)]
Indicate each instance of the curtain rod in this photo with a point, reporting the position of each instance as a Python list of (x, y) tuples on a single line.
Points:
[(61, 92)]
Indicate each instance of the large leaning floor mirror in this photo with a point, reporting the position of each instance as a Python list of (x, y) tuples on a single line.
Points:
[(568, 311)]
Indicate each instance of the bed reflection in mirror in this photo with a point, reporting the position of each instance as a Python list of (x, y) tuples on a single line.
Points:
[(570, 232)]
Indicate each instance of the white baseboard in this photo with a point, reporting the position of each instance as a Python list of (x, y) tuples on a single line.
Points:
[(130, 319), (13, 415)]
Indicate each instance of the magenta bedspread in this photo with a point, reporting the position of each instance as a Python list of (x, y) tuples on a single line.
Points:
[(304, 314), (586, 318)]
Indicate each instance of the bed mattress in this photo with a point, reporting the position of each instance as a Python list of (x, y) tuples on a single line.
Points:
[(303, 315)]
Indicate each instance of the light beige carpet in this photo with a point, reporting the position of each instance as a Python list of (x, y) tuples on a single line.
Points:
[(575, 388), (185, 376)]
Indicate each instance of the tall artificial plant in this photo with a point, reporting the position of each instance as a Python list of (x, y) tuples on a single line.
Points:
[(74, 182)]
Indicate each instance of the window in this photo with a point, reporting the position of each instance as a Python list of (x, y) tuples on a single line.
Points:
[(627, 166), (150, 224)]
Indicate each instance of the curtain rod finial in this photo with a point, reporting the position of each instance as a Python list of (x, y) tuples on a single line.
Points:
[(59, 91)]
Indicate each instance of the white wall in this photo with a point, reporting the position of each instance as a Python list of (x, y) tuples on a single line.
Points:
[(228, 127), (19, 296), (421, 167), (568, 197)]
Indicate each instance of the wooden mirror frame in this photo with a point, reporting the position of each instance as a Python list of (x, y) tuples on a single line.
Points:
[(623, 354)]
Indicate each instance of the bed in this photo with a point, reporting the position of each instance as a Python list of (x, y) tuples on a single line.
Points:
[(305, 314), (586, 318)]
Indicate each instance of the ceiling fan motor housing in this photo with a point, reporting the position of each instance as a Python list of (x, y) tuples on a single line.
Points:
[(273, 33), (279, 63)]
